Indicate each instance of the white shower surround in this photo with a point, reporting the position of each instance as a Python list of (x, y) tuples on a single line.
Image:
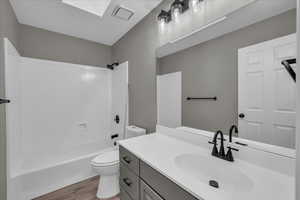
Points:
[(59, 118), (65, 110)]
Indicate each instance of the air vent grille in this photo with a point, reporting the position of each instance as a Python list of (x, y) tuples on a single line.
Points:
[(122, 13)]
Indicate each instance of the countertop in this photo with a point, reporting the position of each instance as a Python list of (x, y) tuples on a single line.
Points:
[(159, 151)]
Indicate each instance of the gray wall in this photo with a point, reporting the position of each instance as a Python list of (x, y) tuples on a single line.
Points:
[(210, 69), (8, 28), (43, 44), (138, 47)]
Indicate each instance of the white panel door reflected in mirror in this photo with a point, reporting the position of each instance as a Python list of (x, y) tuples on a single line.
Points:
[(169, 99), (267, 93)]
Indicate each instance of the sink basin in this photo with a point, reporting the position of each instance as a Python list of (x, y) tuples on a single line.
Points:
[(205, 169)]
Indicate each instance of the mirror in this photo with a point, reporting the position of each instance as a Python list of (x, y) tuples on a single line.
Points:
[(231, 73)]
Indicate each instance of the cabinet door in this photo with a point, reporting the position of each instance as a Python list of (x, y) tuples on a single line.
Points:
[(147, 193), (129, 182), (124, 195)]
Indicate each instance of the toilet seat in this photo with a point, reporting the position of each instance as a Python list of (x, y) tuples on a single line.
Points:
[(106, 159)]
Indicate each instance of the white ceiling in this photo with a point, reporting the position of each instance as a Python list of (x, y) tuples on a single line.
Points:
[(53, 15)]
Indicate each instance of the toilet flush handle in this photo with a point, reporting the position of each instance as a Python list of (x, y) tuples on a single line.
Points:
[(127, 181), (127, 159)]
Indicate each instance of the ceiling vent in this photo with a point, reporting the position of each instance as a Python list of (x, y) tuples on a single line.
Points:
[(122, 13)]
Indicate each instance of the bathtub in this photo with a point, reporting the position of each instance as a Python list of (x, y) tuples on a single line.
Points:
[(36, 182)]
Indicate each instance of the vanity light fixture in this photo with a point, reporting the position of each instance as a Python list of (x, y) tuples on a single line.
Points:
[(176, 8), (164, 16), (179, 6)]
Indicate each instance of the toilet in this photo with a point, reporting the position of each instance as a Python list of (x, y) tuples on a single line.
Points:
[(106, 165)]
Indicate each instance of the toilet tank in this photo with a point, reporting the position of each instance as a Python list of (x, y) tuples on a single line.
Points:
[(134, 131)]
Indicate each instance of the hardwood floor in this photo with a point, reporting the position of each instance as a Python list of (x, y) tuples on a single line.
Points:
[(85, 190)]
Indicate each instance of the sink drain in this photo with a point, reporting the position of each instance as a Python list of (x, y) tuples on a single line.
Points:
[(214, 183)]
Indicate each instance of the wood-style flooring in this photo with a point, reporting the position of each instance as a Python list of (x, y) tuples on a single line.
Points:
[(85, 190)]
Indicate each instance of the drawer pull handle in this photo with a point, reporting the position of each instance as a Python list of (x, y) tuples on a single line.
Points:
[(127, 181), (127, 159)]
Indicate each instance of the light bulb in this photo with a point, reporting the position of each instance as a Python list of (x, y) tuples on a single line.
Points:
[(196, 4), (161, 24), (176, 13)]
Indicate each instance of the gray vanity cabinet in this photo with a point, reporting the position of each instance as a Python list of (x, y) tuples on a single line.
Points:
[(124, 195), (129, 182), (146, 193), (139, 181)]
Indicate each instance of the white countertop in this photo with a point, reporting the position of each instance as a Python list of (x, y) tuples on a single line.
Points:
[(159, 151)]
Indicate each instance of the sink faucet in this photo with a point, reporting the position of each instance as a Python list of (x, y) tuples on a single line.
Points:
[(235, 128), (221, 152)]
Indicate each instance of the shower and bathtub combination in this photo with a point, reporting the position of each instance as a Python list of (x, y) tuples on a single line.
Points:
[(61, 116)]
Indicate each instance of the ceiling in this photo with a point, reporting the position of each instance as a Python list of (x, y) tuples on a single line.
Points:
[(54, 15)]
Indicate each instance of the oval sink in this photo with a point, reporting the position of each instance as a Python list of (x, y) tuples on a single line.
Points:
[(206, 169)]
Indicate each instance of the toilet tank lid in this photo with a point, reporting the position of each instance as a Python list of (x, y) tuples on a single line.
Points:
[(136, 129)]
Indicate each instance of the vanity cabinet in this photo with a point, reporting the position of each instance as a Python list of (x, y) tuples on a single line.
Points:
[(129, 160), (146, 193), (139, 181)]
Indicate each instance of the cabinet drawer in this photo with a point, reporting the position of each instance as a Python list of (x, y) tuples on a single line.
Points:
[(167, 189), (130, 160), (146, 193), (124, 195), (129, 182)]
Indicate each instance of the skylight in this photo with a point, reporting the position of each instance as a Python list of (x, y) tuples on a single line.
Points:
[(96, 7)]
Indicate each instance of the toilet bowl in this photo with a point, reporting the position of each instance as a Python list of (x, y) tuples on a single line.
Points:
[(107, 166)]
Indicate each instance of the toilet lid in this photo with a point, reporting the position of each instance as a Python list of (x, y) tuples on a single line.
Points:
[(106, 158)]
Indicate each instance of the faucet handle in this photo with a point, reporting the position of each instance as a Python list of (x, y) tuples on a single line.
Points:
[(229, 156), (232, 148)]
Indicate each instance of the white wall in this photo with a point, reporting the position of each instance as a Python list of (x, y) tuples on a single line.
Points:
[(120, 99), (169, 95), (12, 67)]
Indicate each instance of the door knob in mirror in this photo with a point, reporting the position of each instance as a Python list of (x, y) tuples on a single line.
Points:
[(242, 115)]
